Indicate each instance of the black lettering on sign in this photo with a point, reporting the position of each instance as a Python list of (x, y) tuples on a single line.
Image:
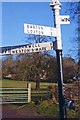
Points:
[(33, 45), (51, 33), (67, 19), (43, 48), (22, 50), (51, 47), (19, 51), (42, 32), (16, 51), (36, 49), (27, 26), (28, 50), (62, 20), (13, 51), (27, 31), (41, 28), (40, 49), (34, 31), (29, 46), (39, 32), (51, 43), (34, 26), (38, 45), (4, 51), (30, 26), (31, 31), (38, 27), (32, 50)]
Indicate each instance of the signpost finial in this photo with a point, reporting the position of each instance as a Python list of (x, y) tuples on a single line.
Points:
[(55, 2)]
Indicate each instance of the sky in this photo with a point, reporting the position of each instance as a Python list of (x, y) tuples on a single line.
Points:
[(38, 0), (15, 14)]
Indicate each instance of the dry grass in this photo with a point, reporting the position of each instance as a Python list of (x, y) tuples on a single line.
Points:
[(17, 83)]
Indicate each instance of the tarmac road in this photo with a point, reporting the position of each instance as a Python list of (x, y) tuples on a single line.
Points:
[(12, 111)]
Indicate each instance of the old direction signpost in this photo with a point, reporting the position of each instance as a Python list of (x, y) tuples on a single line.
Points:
[(64, 19), (38, 47), (57, 46), (39, 30), (58, 20)]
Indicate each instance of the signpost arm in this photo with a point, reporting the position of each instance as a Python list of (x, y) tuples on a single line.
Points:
[(56, 7)]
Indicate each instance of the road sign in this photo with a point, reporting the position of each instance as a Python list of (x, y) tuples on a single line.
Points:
[(38, 47), (65, 19), (39, 30), (5, 50)]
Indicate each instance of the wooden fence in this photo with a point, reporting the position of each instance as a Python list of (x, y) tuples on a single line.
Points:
[(15, 95)]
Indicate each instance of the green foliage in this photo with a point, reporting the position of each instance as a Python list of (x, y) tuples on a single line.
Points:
[(73, 113), (48, 108)]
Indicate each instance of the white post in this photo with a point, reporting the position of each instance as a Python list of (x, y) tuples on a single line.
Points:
[(56, 7), (29, 92)]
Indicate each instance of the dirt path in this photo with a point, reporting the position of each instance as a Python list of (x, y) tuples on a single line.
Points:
[(12, 111)]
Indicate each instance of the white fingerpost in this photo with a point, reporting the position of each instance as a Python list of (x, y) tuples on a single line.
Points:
[(56, 6)]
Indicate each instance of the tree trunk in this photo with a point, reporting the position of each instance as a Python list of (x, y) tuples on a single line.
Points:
[(37, 84)]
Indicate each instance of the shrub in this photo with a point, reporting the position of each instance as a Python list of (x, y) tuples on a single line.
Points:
[(73, 113), (48, 108)]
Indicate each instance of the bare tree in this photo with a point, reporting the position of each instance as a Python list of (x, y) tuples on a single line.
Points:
[(73, 8), (37, 39), (8, 66), (69, 68), (37, 56)]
